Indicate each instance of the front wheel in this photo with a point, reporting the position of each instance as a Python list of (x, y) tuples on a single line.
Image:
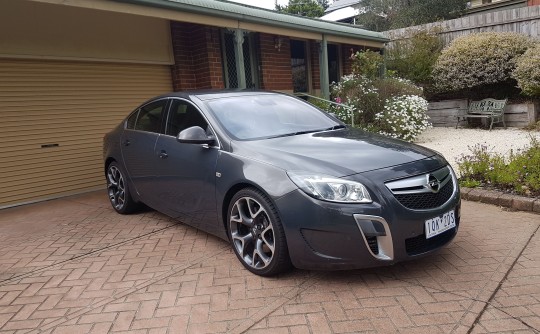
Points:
[(256, 233), (118, 190)]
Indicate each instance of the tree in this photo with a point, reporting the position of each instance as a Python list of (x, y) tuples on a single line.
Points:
[(310, 8), (381, 15)]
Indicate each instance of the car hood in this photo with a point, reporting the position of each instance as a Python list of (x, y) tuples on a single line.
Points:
[(338, 153)]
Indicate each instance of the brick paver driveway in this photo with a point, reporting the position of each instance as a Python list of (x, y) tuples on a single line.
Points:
[(74, 266)]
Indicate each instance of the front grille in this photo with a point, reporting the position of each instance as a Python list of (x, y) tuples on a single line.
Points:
[(420, 244), (373, 245), (428, 200)]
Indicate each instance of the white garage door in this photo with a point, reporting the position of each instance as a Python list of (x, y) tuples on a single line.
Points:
[(53, 116)]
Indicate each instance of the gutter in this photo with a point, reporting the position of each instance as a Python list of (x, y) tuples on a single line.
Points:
[(195, 9)]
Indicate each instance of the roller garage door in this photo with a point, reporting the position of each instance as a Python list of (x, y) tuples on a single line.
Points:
[(53, 116)]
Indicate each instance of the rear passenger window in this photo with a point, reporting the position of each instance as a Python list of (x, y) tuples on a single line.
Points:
[(132, 120), (149, 117)]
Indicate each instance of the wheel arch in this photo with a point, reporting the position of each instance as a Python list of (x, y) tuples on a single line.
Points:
[(230, 194), (108, 161)]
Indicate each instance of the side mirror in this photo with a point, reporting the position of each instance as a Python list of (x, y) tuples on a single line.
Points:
[(195, 135)]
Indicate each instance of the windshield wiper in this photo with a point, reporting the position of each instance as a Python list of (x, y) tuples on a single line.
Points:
[(335, 127), (294, 133)]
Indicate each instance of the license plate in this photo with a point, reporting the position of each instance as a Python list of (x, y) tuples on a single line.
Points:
[(438, 225)]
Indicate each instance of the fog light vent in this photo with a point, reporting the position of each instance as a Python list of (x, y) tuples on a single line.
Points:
[(373, 245), (377, 236)]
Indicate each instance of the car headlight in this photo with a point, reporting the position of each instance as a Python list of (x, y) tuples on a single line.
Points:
[(331, 189)]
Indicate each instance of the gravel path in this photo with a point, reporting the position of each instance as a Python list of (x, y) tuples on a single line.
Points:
[(452, 143)]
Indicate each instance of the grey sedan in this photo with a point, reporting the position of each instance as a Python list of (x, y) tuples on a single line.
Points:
[(284, 182)]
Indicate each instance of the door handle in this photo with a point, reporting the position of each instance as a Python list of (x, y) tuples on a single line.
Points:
[(163, 155), (127, 142)]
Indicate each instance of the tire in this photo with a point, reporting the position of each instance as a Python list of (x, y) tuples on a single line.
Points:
[(256, 233), (118, 190)]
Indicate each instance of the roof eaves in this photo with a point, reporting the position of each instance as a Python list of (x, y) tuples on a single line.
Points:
[(225, 9)]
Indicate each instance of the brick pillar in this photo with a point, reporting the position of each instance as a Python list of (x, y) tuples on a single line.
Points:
[(197, 56), (275, 62)]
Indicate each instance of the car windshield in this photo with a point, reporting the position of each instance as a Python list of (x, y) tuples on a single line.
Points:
[(268, 116)]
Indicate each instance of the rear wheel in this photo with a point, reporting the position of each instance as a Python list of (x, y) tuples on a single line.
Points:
[(118, 190), (256, 233)]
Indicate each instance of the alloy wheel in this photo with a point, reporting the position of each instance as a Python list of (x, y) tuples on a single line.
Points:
[(252, 232), (116, 187)]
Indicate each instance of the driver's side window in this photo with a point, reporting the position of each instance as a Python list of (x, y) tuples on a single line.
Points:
[(183, 115)]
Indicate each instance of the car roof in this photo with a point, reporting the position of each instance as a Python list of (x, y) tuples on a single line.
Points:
[(212, 94)]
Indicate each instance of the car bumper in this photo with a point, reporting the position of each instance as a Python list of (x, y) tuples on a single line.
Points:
[(334, 236)]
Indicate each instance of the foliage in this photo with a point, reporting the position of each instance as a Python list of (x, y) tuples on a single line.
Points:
[(367, 63), (533, 126), (382, 15), (390, 106), (479, 59), (413, 59), (527, 72), (403, 117), (310, 8), (519, 173)]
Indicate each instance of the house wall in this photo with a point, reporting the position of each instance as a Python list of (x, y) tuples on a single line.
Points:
[(276, 73), (34, 30), (197, 56)]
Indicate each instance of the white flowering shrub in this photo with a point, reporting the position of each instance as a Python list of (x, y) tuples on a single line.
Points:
[(403, 117), (527, 71), (479, 59), (390, 106)]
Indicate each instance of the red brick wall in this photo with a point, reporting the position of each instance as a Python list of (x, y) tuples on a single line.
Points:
[(276, 73), (197, 56), (533, 2)]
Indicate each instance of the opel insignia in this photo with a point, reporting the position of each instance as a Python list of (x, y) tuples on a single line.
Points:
[(284, 182)]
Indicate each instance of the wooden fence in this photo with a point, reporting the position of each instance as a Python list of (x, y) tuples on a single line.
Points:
[(524, 20)]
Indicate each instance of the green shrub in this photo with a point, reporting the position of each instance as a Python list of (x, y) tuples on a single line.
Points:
[(527, 71), (519, 173), (479, 59), (367, 63), (414, 58)]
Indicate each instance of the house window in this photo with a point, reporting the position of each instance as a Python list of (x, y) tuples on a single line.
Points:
[(299, 66), (334, 72), (230, 72)]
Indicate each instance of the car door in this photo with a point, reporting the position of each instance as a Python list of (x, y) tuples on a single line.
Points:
[(187, 172), (138, 148)]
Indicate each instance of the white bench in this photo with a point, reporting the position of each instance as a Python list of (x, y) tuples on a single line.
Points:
[(490, 109)]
